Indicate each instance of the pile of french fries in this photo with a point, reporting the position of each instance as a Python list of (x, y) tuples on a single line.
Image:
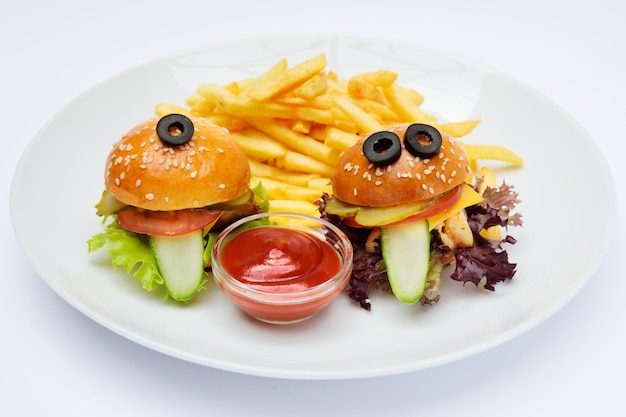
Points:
[(293, 123)]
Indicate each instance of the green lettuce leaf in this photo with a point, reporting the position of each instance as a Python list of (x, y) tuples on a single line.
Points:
[(261, 197), (129, 250)]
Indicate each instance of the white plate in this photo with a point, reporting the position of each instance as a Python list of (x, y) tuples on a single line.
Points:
[(63, 167)]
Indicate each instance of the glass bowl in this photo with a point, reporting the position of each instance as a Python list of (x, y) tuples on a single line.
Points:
[(281, 267)]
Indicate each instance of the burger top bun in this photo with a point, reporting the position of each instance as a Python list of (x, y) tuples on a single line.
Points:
[(409, 179), (144, 171)]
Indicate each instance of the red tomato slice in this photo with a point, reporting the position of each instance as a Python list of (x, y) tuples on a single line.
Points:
[(166, 223), (440, 205)]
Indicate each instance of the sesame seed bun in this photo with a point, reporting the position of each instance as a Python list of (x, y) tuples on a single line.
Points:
[(409, 179), (144, 172)]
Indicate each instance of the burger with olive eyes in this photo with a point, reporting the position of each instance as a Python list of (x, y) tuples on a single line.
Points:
[(168, 183), (405, 199)]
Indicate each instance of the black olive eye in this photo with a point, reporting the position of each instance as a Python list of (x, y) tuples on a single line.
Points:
[(382, 148), (174, 129), (422, 140)]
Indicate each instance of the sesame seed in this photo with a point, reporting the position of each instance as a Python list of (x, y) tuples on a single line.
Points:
[(137, 183), (443, 177), (122, 175), (347, 167), (354, 192), (424, 187), (431, 190), (194, 174), (118, 160), (149, 196), (142, 166), (378, 182), (167, 199), (220, 150), (117, 181), (222, 186), (453, 174)]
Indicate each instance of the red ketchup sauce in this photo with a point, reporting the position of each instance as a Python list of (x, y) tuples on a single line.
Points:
[(290, 261), (280, 261)]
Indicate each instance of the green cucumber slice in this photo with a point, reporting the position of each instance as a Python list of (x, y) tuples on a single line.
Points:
[(406, 253), (181, 263)]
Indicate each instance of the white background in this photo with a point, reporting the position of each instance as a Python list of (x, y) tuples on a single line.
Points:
[(56, 362)]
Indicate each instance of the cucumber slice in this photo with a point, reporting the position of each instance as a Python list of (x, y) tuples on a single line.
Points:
[(406, 253), (181, 263)]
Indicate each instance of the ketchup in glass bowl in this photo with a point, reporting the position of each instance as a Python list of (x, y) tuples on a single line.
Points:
[(281, 267)]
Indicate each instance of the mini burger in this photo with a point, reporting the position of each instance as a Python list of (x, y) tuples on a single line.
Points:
[(168, 182), (403, 197)]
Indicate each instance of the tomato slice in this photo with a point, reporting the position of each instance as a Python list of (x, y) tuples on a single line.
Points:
[(166, 223), (437, 207)]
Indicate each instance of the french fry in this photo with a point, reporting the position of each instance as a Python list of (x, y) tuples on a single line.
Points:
[(294, 140), (261, 170), (492, 152), (366, 122), (321, 184), (412, 95), (313, 87), (245, 107), (272, 86), (258, 146), (278, 190), (402, 104), (163, 109), (340, 139), (376, 78), (458, 129), (295, 161), (295, 206), (360, 89), (274, 72)]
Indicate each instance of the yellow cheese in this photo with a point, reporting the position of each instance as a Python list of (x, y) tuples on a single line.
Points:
[(469, 197), (493, 233)]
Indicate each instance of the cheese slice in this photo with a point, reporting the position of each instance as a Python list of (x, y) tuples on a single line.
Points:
[(468, 197)]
